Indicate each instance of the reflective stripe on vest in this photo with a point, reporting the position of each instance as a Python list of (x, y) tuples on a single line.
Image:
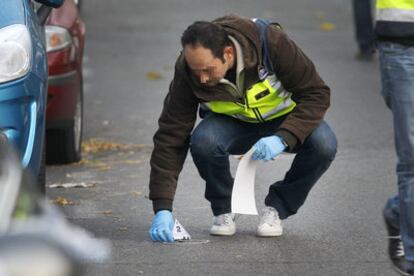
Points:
[(264, 101), (395, 10)]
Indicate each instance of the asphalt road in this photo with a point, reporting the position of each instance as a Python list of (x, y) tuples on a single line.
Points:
[(131, 47)]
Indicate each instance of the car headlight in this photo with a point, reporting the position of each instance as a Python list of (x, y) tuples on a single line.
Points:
[(15, 52), (57, 38)]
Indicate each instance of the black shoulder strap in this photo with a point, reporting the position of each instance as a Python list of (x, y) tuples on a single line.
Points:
[(262, 25)]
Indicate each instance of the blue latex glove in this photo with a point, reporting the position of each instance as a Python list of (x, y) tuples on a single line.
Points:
[(162, 227), (268, 148)]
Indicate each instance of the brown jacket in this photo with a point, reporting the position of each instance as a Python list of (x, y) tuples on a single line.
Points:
[(293, 68)]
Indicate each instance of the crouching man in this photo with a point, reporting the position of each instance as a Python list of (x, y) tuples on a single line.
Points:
[(246, 103)]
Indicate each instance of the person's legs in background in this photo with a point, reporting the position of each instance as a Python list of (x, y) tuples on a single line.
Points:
[(397, 73), (364, 30)]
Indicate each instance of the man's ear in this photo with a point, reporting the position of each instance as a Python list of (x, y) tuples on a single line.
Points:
[(228, 52)]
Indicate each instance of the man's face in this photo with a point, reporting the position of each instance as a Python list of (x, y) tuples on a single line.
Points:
[(205, 66)]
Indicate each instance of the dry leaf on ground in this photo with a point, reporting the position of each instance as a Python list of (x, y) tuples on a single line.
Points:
[(136, 193), (327, 26), (153, 75), (132, 162), (63, 201), (96, 145), (105, 168)]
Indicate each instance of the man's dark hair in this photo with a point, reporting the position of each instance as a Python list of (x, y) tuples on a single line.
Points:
[(208, 35)]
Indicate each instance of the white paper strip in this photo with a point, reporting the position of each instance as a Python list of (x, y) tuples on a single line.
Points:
[(242, 199), (179, 233)]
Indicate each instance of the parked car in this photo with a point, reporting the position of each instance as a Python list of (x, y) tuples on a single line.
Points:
[(23, 80), (65, 33)]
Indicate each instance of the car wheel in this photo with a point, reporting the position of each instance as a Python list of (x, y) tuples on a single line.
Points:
[(65, 145)]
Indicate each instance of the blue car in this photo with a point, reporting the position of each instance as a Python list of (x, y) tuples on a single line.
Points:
[(23, 80)]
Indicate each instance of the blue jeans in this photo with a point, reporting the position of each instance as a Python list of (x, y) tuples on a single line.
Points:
[(217, 136), (397, 72)]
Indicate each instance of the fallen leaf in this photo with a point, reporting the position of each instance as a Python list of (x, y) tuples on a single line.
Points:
[(327, 26), (94, 163), (107, 212), (63, 201), (104, 168), (136, 194), (96, 145), (153, 75), (132, 162), (86, 162)]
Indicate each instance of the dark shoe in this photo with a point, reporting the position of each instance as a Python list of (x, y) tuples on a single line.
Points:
[(395, 245), (396, 251), (410, 268), (403, 266)]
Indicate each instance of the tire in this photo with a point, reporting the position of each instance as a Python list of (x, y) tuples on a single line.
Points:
[(65, 145)]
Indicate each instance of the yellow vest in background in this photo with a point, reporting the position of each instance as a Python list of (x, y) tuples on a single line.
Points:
[(395, 10)]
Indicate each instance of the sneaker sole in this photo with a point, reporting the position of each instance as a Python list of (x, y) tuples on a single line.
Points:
[(222, 233), (269, 235)]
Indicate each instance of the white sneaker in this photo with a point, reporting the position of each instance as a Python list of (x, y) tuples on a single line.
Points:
[(270, 224), (223, 225)]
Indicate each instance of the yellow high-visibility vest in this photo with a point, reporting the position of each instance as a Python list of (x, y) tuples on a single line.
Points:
[(395, 10), (264, 101), (395, 4)]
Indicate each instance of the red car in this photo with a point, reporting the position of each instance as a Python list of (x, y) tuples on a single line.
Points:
[(65, 34)]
